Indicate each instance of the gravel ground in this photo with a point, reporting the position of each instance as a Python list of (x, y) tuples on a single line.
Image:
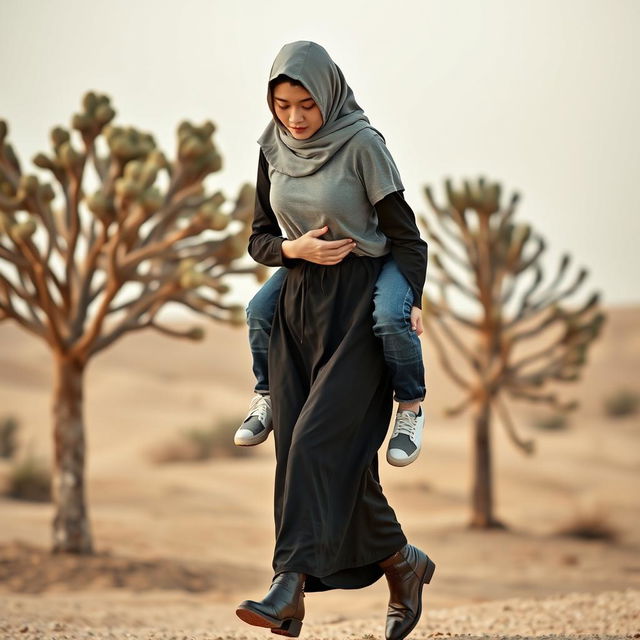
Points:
[(604, 615)]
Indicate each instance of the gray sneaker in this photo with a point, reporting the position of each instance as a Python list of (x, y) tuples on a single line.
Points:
[(257, 424), (404, 445)]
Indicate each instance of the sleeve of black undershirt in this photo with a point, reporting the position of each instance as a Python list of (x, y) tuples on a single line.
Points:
[(397, 221), (265, 242)]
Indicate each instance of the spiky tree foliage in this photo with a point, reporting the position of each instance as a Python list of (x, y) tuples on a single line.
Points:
[(95, 248), (500, 320)]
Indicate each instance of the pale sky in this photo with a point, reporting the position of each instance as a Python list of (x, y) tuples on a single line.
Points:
[(540, 95)]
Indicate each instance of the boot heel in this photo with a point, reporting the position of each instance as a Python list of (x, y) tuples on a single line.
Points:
[(289, 627), (428, 572)]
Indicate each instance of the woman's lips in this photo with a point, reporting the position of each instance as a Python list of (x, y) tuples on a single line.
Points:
[(298, 129)]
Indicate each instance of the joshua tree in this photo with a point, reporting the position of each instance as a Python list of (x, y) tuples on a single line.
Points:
[(8, 429), (80, 270), (482, 255)]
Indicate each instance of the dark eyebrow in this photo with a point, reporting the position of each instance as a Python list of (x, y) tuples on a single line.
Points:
[(285, 100)]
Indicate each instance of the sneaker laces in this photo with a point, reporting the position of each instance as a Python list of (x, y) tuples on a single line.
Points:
[(406, 421), (259, 406)]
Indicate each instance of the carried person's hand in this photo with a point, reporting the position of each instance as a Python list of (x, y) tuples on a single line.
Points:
[(314, 249), (416, 320)]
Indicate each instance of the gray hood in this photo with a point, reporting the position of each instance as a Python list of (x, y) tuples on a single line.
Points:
[(342, 117)]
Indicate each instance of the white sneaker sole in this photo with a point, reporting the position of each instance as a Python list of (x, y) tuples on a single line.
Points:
[(241, 441), (402, 462)]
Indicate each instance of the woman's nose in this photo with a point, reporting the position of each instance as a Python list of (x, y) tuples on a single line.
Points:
[(295, 116)]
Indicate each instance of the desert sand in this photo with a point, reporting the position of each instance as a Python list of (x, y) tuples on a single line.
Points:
[(179, 545)]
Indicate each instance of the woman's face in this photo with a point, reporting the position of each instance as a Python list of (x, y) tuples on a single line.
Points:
[(297, 110)]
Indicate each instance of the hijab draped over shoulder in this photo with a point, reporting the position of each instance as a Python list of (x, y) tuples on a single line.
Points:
[(336, 176), (342, 116)]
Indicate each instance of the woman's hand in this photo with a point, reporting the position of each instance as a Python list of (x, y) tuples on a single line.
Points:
[(312, 248), (416, 320)]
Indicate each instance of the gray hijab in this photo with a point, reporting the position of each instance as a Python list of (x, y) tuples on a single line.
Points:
[(342, 116)]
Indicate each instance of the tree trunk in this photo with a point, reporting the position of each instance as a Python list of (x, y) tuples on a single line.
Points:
[(71, 532), (482, 495)]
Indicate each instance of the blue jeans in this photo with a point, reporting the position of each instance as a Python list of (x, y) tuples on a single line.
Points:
[(392, 298)]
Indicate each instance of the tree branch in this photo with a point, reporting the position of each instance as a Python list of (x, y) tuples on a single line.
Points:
[(525, 445), (445, 362)]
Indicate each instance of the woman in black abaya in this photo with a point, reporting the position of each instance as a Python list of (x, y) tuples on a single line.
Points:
[(331, 390)]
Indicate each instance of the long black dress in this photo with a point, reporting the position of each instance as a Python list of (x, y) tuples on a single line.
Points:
[(332, 399)]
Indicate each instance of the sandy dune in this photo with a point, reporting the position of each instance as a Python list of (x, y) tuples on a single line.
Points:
[(526, 581), (604, 616)]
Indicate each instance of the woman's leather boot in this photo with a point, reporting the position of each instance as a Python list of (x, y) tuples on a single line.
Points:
[(282, 609), (406, 572)]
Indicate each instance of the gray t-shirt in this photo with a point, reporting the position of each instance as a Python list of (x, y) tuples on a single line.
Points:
[(341, 194)]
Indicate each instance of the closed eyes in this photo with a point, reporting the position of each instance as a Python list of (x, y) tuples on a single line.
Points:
[(287, 106)]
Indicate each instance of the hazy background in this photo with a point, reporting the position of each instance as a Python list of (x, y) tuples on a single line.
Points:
[(542, 96)]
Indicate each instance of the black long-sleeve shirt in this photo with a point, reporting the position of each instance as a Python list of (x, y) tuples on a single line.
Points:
[(395, 219)]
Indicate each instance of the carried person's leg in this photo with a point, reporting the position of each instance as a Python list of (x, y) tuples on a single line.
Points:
[(260, 312), (393, 299), (256, 426)]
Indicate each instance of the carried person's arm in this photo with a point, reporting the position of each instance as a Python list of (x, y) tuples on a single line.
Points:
[(382, 182), (397, 221)]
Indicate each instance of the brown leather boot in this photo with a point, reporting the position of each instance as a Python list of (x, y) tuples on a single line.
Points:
[(406, 572), (282, 609)]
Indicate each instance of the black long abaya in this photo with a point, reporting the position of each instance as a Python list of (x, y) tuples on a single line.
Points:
[(332, 400)]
